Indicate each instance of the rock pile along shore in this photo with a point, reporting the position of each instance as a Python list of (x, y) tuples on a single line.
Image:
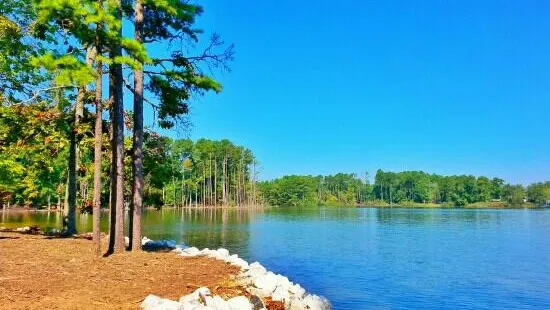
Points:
[(257, 280)]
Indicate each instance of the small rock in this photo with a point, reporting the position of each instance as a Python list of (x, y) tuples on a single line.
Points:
[(297, 290), (216, 303), (315, 302), (295, 304), (190, 252), (197, 296), (223, 252), (153, 302), (237, 261), (267, 283), (280, 294), (255, 270), (240, 303), (144, 240)]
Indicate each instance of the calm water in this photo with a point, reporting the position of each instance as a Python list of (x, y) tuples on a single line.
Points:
[(375, 258)]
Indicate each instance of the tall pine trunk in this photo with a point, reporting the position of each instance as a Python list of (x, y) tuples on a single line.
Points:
[(74, 154), (137, 187), (98, 133), (116, 240)]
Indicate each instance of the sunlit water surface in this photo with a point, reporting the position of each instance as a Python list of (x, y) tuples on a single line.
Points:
[(373, 258)]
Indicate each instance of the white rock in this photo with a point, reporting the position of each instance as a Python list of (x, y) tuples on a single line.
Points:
[(280, 294), (192, 306), (315, 302), (283, 282), (237, 261), (126, 241), (295, 304), (144, 240), (190, 299), (267, 282), (203, 291), (223, 252), (153, 302), (239, 303), (297, 290), (189, 252), (258, 292), (255, 270), (216, 303), (195, 297)]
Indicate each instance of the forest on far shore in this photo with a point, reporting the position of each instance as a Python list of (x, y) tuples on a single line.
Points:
[(407, 188), (182, 172)]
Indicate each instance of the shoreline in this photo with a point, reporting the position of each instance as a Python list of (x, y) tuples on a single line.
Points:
[(200, 207), (378, 205), (264, 289), (224, 281)]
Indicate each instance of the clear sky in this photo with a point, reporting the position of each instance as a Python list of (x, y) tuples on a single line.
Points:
[(320, 87)]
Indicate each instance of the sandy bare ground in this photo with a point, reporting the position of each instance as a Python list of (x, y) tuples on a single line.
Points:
[(41, 273)]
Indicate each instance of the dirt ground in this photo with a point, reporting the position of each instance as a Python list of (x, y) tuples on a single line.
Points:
[(41, 273)]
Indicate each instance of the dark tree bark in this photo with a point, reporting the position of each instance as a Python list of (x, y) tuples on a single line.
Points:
[(116, 236), (137, 188), (69, 221), (74, 150)]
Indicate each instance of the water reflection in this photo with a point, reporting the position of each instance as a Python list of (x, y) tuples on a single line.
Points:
[(436, 216), (386, 257), (201, 227), (213, 228)]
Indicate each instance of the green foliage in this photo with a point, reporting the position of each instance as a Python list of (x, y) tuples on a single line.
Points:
[(539, 193), (32, 151), (18, 78), (514, 194), (192, 172), (339, 189), (420, 187), (408, 188)]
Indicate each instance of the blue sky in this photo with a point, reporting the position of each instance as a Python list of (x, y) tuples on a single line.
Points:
[(320, 87)]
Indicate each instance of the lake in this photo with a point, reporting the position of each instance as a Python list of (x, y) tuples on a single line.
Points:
[(373, 258)]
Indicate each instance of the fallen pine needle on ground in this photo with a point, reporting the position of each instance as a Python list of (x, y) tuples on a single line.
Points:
[(38, 272)]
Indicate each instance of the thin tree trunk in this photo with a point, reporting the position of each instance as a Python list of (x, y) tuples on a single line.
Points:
[(196, 197), (215, 181), (211, 194), (203, 185), (224, 180), (74, 150), (137, 188), (66, 198), (116, 242), (174, 186), (98, 133), (254, 182), (182, 187)]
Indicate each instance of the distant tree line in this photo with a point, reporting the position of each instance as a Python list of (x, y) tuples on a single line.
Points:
[(399, 188), (177, 172)]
